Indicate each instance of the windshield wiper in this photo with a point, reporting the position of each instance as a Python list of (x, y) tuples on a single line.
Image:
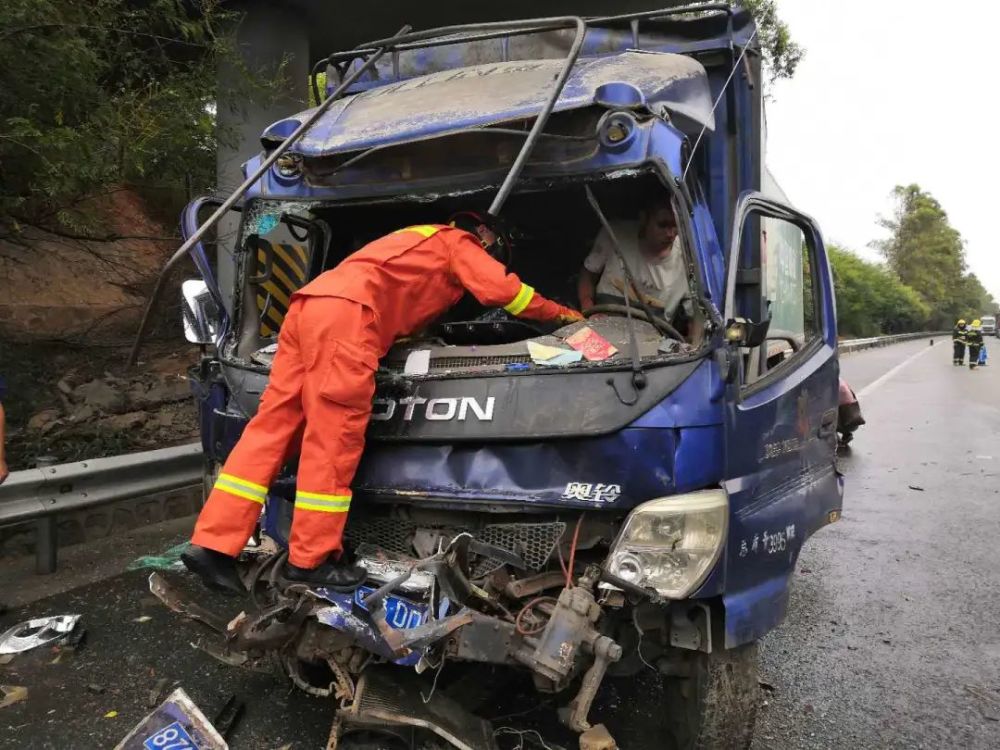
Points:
[(638, 376)]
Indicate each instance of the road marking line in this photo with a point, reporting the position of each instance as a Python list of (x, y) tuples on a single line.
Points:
[(876, 383)]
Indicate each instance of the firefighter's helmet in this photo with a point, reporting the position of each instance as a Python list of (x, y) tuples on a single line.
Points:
[(488, 230)]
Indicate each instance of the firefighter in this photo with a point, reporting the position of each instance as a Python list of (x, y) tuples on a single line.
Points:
[(319, 395), (974, 340), (958, 334)]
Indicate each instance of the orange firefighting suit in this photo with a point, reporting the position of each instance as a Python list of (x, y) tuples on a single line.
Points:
[(323, 378)]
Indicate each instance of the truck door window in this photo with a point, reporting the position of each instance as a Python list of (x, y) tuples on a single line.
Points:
[(782, 283)]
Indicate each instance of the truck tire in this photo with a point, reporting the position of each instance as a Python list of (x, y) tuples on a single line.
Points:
[(714, 708)]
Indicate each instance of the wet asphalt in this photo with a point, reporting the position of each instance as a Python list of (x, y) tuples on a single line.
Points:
[(892, 638), (893, 633)]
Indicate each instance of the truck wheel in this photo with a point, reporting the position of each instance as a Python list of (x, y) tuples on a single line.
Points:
[(716, 706)]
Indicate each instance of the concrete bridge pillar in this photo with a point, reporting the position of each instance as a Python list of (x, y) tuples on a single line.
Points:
[(268, 34)]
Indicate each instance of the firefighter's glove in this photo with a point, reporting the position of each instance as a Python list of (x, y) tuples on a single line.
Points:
[(568, 315)]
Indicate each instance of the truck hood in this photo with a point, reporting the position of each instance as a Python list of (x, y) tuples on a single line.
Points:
[(481, 95), (482, 394)]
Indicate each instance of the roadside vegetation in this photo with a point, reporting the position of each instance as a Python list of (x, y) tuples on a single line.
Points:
[(97, 95), (923, 283)]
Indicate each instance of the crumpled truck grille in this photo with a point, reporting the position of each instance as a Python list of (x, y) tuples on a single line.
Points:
[(393, 537)]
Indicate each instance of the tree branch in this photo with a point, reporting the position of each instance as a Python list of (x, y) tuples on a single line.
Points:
[(99, 238)]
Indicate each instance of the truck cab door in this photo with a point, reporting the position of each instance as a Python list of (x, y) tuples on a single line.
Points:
[(781, 407)]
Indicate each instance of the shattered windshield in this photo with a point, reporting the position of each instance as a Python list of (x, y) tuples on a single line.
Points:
[(573, 263)]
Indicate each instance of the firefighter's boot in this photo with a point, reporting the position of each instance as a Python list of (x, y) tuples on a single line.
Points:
[(333, 575), (216, 570)]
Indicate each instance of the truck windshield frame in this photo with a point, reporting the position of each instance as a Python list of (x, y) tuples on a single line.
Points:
[(234, 350)]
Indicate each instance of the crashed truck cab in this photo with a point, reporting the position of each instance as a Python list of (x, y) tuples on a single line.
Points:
[(582, 520)]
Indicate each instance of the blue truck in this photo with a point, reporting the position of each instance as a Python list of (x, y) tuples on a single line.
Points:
[(587, 524)]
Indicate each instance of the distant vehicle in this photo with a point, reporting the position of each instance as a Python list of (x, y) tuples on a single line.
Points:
[(989, 325)]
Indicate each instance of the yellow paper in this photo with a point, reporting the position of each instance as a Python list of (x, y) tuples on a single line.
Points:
[(541, 352)]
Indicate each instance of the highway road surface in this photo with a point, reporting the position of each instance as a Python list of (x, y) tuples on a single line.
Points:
[(892, 638)]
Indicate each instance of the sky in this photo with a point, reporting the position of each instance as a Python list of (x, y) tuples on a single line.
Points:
[(891, 93)]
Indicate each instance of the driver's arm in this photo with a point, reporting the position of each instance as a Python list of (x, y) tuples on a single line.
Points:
[(696, 330), (488, 281), (695, 321), (593, 267), (586, 286)]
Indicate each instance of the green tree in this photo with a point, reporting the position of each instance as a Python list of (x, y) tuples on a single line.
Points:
[(871, 300), (926, 253), (96, 94), (976, 301), (781, 53)]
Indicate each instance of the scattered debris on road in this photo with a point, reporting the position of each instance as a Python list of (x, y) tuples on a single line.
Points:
[(157, 691), (177, 722), (177, 602), (597, 738), (38, 632), (229, 715), (168, 560), (12, 694), (914, 487)]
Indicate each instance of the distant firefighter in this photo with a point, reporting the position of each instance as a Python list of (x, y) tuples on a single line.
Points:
[(974, 340), (958, 334)]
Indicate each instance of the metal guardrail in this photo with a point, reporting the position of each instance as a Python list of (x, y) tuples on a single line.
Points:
[(40, 495), (854, 345)]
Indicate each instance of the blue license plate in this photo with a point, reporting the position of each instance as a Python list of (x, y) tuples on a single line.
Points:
[(171, 737), (399, 613)]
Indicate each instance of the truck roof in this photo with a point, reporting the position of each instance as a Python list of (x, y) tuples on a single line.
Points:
[(477, 96)]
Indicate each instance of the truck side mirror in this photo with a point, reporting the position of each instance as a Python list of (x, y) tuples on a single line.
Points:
[(200, 312), (744, 332)]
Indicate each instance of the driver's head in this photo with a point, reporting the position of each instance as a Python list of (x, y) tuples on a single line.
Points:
[(657, 227), (487, 230)]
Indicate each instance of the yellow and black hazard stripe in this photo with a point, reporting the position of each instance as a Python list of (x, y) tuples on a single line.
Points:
[(284, 269)]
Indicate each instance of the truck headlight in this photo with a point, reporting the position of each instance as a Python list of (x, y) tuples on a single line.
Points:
[(670, 544)]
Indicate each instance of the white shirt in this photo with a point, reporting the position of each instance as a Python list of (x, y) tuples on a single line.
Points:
[(664, 279)]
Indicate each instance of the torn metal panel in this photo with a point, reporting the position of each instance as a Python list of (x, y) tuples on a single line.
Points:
[(480, 95), (392, 697), (347, 614), (38, 632), (175, 601)]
